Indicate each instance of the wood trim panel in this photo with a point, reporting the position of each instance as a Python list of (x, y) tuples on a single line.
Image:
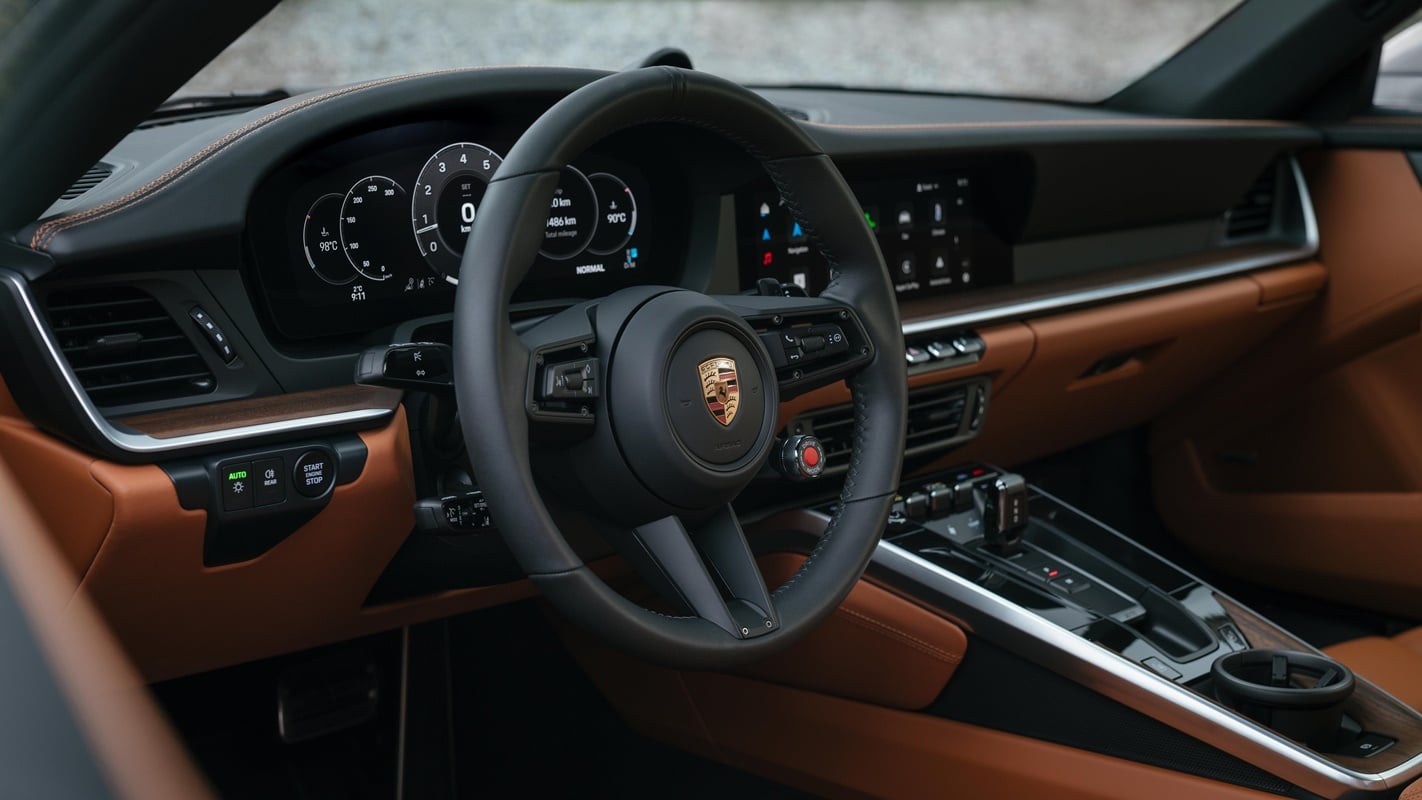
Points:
[(259, 410), (1373, 708)]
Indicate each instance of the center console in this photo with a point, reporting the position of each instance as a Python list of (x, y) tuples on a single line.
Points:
[(1029, 573)]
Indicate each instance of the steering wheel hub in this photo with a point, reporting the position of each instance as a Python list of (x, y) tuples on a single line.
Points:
[(688, 401)]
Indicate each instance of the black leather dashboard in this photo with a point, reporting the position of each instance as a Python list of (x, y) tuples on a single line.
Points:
[(212, 212)]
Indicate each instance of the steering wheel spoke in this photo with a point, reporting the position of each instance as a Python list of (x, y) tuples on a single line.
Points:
[(708, 571), (812, 341)]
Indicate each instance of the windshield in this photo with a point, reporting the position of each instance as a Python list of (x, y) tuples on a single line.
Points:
[(1074, 50)]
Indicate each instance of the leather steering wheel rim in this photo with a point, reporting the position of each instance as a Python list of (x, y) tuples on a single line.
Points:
[(493, 372)]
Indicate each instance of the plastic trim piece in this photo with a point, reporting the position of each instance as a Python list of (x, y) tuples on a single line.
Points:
[(1131, 288), (1114, 676), (144, 445)]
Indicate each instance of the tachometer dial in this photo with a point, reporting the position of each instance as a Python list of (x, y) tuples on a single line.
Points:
[(447, 196), (617, 214), (572, 217), (321, 237), (370, 229)]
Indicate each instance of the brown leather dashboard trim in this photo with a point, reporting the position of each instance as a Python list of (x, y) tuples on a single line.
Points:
[(876, 647), (59, 483), (260, 410), (135, 747), (1162, 346), (177, 617), (1008, 348)]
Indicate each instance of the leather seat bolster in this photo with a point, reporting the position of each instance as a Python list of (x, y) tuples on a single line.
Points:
[(1395, 665)]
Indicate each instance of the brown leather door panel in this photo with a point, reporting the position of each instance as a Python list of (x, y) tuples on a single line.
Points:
[(1301, 467)]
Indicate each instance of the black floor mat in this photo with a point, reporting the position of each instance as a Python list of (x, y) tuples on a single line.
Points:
[(524, 721), (529, 723)]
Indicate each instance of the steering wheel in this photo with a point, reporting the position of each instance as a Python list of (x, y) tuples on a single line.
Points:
[(651, 409)]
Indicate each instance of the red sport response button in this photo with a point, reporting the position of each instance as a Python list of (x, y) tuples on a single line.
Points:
[(811, 456)]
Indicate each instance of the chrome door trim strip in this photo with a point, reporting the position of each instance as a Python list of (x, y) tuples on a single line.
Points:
[(1130, 288)]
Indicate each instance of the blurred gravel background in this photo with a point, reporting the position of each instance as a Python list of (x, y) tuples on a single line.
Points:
[(1081, 50)]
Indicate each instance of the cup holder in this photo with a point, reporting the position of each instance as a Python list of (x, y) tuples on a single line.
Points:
[(1300, 695)]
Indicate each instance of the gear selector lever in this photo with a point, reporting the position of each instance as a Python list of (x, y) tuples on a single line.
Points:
[(1002, 502)]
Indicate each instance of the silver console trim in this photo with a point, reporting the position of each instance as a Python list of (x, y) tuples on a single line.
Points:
[(142, 443), (1130, 288), (1132, 684)]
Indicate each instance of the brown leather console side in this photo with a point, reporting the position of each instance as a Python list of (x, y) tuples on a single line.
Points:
[(135, 748), (846, 749), (877, 647)]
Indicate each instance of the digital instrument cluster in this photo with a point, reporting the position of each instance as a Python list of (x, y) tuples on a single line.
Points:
[(933, 236), (374, 228)]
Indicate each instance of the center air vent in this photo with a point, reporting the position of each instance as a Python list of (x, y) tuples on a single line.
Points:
[(939, 417), (95, 175), (124, 347), (1254, 214)]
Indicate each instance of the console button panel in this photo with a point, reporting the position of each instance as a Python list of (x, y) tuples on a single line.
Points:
[(258, 497)]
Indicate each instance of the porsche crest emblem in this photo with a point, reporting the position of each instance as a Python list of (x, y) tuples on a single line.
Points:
[(720, 388)]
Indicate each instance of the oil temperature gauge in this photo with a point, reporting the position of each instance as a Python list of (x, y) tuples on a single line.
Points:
[(447, 196)]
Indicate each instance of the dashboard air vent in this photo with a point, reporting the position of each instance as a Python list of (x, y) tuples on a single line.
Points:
[(1254, 213), (795, 113), (935, 420), (124, 347), (95, 175)]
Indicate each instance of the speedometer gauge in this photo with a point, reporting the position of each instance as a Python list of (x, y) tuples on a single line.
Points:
[(447, 196), (371, 243)]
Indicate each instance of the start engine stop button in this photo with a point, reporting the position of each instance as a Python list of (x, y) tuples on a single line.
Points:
[(313, 474)]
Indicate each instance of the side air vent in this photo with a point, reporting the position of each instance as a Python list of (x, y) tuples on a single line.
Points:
[(124, 347), (939, 416), (95, 175), (1254, 214)]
